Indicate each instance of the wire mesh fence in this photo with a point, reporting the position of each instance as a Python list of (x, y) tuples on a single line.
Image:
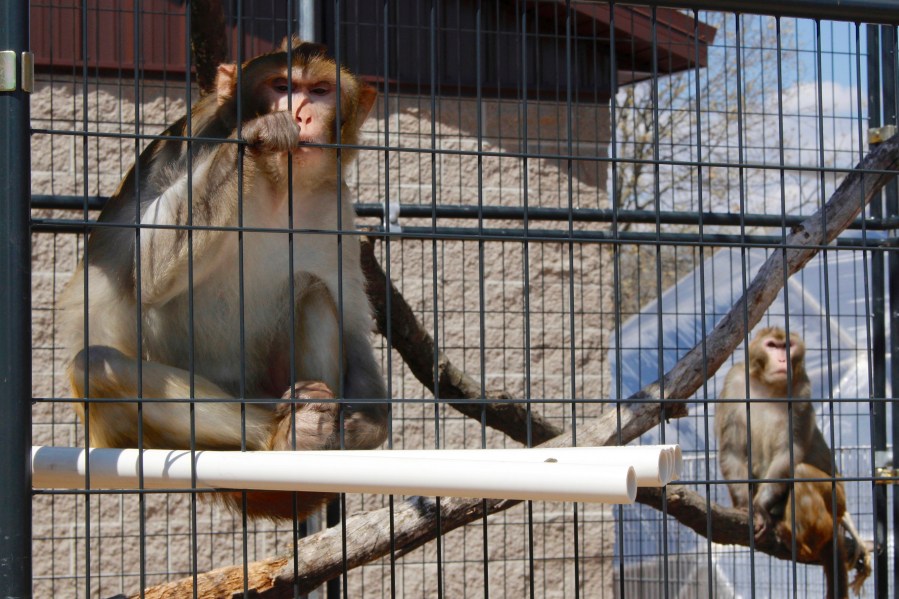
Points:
[(555, 203)]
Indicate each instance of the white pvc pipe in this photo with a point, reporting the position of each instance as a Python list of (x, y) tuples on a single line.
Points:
[(677, 460), (654, 465), (336, 471)]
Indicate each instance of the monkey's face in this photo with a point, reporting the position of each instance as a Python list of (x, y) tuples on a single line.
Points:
[(769, 357), (775, 350), (312, 101)]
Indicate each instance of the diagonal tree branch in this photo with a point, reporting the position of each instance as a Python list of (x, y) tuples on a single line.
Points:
[(413, 523), (208, 41), (416, 346)]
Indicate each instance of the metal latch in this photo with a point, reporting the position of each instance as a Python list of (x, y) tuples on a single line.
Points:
[(883, 468), (8, 80), (878, 135), (886, 476)]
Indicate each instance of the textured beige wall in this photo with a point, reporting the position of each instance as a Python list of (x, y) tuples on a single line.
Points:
[(66, 162)]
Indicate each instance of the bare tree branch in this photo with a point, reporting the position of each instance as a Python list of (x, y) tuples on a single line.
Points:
[(208, 41), (416, 347), (415, 522), (369, 534)]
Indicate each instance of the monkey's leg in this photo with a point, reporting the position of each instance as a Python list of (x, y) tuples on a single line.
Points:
[(320, 358), (858, 553), (309, 420), (166, 425), (309, 425), (111, 374), (365, 418), (810, 505)]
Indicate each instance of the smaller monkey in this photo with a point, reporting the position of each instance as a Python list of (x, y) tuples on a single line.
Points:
[(777, 372), (813, 502)]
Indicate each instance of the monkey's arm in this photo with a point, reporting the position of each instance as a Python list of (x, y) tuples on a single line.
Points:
[(772, 493), (807, 445), (366, 417), (207, 198), (732, 456), (730, 430)]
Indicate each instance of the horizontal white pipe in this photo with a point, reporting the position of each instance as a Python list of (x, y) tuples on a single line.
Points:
[(678, 460), (336, 471), (654, 465)]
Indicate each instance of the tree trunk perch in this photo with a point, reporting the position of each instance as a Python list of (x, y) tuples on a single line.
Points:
[(208, 41), (416, 346)]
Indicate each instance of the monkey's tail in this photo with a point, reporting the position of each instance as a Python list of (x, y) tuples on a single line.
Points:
[(859, 554), (835, 572)]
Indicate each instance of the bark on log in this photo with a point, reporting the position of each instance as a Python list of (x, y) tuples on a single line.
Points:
[(730, 526), (416, 346), (208, 41), (415, 522)]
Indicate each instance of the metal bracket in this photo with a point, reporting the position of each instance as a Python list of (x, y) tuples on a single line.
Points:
[(8, 80), (883, 468), (878, 135), (886, 476), (27, 72)]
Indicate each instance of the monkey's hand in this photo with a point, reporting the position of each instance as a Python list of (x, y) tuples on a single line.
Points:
[(762, 523), (315, 419), (768, 506), (272, 133)]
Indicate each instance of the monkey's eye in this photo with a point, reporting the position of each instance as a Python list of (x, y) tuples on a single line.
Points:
[(321, 89), (281, 85)]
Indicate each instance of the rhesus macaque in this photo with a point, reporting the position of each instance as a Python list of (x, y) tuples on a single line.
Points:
[(777, 372), (212, 313), (771, 376)]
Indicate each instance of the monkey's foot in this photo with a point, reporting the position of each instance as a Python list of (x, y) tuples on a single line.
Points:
[(308, 390), (307, 412)]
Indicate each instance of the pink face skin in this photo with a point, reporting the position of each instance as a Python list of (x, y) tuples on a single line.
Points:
[(777, 357), (312, 103)]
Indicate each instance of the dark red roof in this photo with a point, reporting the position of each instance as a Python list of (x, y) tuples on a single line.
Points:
[(681, 41), (56, 33)]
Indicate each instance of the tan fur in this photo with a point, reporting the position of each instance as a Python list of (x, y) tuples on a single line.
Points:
[(170, 317)]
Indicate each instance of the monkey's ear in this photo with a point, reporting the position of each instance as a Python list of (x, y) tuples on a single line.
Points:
[(225, 82), (290, 42), (367, 97)]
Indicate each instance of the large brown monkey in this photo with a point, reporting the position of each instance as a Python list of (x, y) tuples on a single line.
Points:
[(175, 312), (777, 372)]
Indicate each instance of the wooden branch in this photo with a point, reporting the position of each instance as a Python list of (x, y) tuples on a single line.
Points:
[(803, 243), (415, 522), (416, 346), (730, 526), (208, 41)]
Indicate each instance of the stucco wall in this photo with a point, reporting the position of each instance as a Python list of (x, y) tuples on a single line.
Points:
[(527, 347)]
